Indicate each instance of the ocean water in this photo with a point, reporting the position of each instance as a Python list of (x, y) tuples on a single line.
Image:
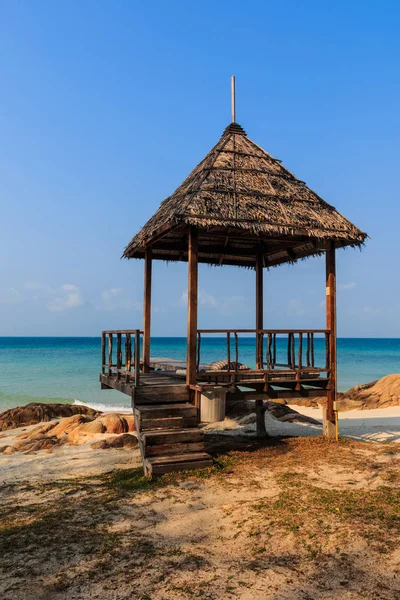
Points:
[(67, 369)]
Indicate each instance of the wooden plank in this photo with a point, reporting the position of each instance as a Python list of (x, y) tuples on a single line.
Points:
[(259, 393), (161, 469), (179, 458), (331, 326), (173, 449), (147, 309), (152, 438), (192, 306), (159, 411), (168, 423)]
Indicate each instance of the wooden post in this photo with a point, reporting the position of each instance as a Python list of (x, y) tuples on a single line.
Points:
[(329, 414), (260, 421), (192, 306), (259, 308), (147, 309)]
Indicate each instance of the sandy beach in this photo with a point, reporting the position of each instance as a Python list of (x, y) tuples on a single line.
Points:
[(71, 461), (293, 518)]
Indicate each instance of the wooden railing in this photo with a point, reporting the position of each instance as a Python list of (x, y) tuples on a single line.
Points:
[(120, 354), (298, 346)]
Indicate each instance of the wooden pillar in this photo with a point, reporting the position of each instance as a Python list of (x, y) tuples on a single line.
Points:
[(329, 414), (147, 309), (261, 431), (192, 306), (259, 305)]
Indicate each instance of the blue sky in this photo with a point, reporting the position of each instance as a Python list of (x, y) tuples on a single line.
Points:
[(105, 107)]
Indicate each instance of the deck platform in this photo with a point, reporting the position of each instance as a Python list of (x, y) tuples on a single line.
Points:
[(166, 395)]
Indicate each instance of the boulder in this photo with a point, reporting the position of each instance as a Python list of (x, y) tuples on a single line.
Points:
[(85, 430), (284, 413), (38, 412), (66, 426), (130, 419), (40, 429), (30, 445), (114, 423), (377, 394), (126, 440)]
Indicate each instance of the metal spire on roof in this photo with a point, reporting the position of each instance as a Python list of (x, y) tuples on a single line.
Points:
[(233, 99)]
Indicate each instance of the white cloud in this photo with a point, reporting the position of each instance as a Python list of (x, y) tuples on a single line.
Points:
[(32, 285), (207, 299), (227, 305), (69, 296), (112, 299), (10, 296), (347, 286), (371, 311), (296, 307), (110, 294)]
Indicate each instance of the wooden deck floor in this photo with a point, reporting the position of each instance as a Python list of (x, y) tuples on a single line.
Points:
[(168, 386)]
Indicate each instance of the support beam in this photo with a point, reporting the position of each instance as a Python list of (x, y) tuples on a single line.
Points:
[(147, 309), (330, 414), (259, 305), (192, 306)]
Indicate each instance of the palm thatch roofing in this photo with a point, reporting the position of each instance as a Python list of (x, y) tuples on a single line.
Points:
[(243, 202)]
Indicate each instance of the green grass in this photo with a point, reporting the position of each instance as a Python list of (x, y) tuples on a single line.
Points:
[(134, 481)]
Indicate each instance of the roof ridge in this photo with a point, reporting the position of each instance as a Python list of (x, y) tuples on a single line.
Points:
[(234, 128)]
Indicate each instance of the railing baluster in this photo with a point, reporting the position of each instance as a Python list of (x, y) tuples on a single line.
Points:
[(137, 357), (198, 351), (236, 349), (119, 355), (300, 351), (312, 351), (228, 348), (128, 351), (293, 353), (288, 349), (274, 354), (268, 354), (103, 352), (110, 349)]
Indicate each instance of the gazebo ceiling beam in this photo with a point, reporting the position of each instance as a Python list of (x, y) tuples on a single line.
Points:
[(225, 250)]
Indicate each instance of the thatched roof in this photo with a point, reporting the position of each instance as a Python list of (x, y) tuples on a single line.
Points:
[(242, 200)]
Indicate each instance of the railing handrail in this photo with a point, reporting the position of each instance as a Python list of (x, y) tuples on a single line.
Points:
[(122, 331), (277, 331), (300, 342), (124, 356)]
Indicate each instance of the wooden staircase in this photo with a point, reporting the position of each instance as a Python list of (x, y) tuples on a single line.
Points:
[(169, 436)]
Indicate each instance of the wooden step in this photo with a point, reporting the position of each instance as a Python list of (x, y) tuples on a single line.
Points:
[(168, 423), (163, 411), (172, 442), (179, 462), (162, 394), (153, 438)]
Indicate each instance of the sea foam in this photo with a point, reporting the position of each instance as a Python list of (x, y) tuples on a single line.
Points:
[(103, 407)]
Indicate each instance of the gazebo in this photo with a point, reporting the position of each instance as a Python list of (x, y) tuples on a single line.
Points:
[(242, 207)]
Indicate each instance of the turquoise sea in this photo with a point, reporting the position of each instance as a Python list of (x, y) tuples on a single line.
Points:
[(66, 369)]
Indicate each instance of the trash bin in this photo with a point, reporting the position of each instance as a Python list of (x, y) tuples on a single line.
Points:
[(212, 405)]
